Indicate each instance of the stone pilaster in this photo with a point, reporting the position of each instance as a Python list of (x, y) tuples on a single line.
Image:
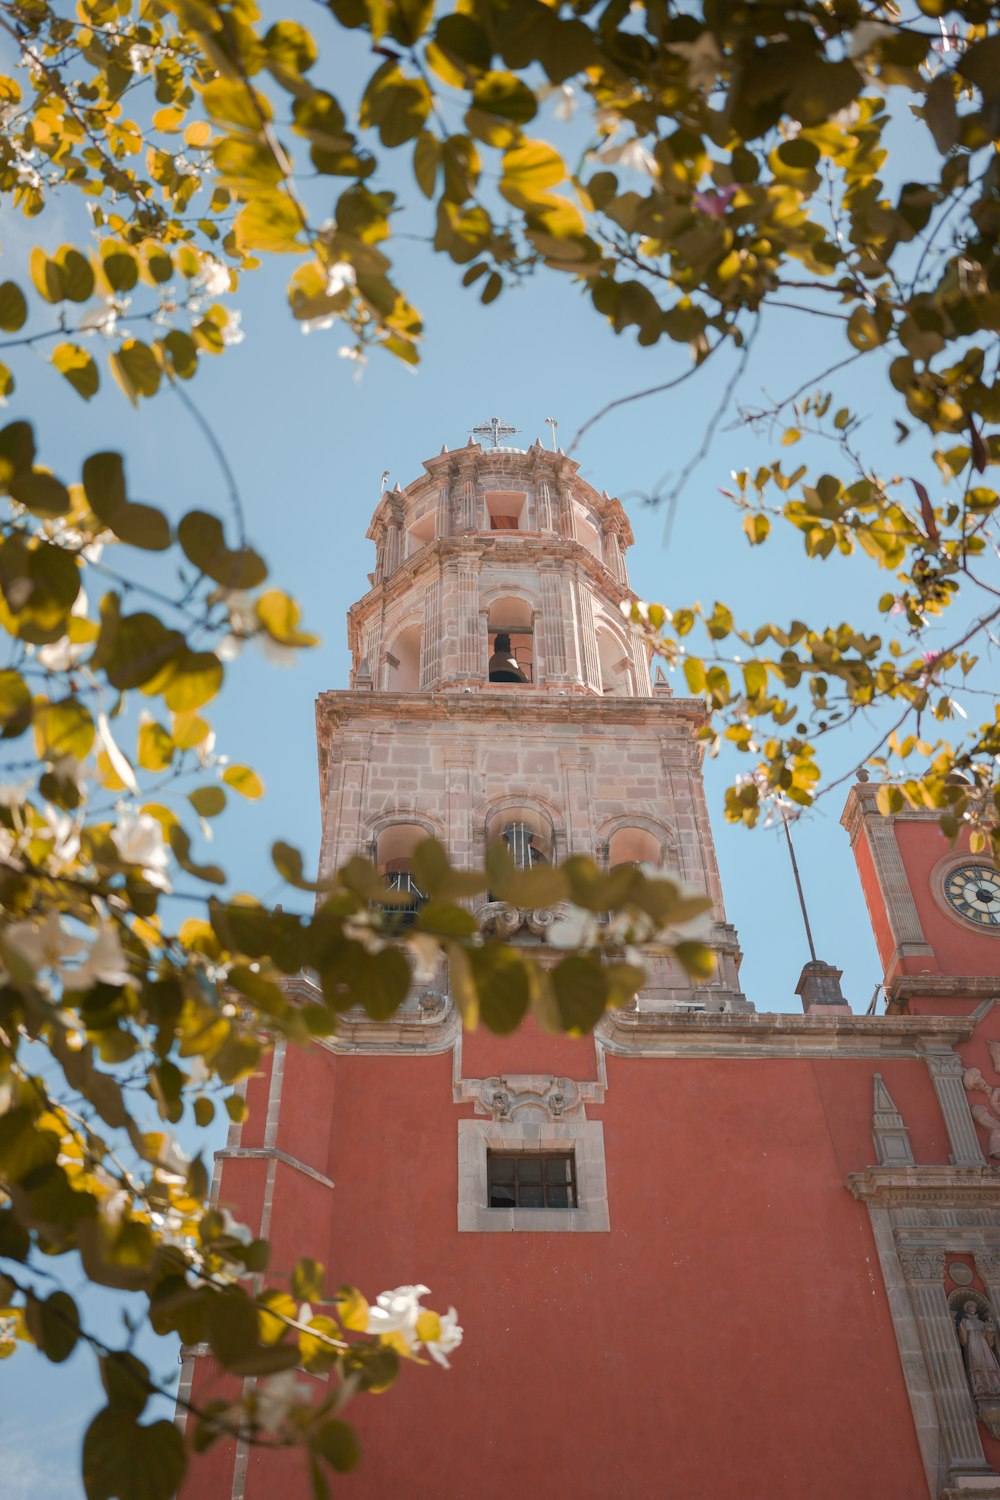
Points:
[(543, 506), (591, 658), (470, 659), (946, 1070), (553, 625), (430, 644), (963, 1456)]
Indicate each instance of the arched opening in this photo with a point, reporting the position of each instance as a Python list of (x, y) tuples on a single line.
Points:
[(505, 509), (512, 641), (420, 533), (634, 846), (526, 833), (394, 848), (588, 534), (616, 668), (402, 662)]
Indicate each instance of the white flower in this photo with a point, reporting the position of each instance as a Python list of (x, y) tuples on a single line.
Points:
[(119, 762), (215, 277), (447, 1340), (277, 1397), (232, 333), (139, 56), (100, 320), (105, 963), (397, 1312), (316, 325), (237, 1231), (139, 841), (13, 793), (43, 945), (359, 357), (340, 275), (229, 648), (65, 836), (629, 154), (573, 927), (61, 655), (566, 95), (426, 956)]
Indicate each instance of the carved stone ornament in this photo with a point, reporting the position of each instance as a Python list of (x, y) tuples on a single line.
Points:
[(922, 1265), (988, 1264), (506, 920), (987, 1115), (960, 1273), (526, 1099), (977, 1334)]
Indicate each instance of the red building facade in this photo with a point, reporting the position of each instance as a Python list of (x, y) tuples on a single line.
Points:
[(776, 1268)]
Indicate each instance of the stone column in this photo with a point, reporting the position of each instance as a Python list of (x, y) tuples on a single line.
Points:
[(470, 658), (554, 624), (470, 520), (963, 1452), (430, 643), (591, 657), (579, 837), (543, 506), (442, 518), (946, 1070)]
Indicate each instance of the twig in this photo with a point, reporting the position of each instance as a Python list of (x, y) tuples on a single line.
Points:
[(654, 390)]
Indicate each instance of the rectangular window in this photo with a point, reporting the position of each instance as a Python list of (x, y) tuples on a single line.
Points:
[(531, 1179)]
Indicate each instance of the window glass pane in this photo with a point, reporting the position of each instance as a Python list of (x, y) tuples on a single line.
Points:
[(557, 1169), (557, 1195), (529, 1169), (502, 1168), (530, 1196), (502, 1195)]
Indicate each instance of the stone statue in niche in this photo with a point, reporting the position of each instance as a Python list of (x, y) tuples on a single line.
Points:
[(986, 1115), (977, 1335)]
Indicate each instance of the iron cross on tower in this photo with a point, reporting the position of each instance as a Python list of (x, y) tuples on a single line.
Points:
[(494, 430)]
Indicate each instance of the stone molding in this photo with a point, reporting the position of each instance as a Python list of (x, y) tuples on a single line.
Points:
[(269, 1154), (584, 1137), (862, 817), (529, 1097), (635, 1032), (948, 1074)]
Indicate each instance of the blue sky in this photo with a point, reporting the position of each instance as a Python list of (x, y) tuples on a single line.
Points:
[(308, 445)]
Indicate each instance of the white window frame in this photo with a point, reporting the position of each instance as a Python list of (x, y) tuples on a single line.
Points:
[(585, 1138)]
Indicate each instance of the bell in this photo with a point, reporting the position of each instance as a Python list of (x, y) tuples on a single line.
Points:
[(503, 663)]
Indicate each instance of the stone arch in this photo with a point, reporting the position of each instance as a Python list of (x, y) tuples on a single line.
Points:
[(663, 842), (615, 659), (401, 655), (541, 816), (431, 828), (512, 611)]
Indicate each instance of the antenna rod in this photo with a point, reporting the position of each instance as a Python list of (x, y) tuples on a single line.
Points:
[(798, 885), (551, 422)]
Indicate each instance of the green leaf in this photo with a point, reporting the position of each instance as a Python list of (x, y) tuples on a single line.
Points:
[(337, 1442), (126, 1381), (505, 95), (139, 525), (124, 1461), (136, 369), (195, 679), (309, 1281), (13, 307), (270, 222), (15, 704), (529, 170), (581, 992), (502, 986), (290, 47), (203, 539), (63, 728), (41, 493), (396, 105), (207, 801), (78, 367), (244, 781), (47, 275), (385, 980), (78, 275), (54, 1325)]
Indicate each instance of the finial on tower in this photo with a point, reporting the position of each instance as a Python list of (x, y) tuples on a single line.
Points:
[(494, 431), (552, 424)]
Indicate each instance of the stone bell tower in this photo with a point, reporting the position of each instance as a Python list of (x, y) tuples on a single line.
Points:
[(497, 692)]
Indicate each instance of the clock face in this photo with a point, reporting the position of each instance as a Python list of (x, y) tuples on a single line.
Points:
[(974, 892)]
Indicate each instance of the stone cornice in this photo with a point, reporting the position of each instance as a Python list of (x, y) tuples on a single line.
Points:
[(885, 1186), (627, 1033), (907, 987), (524, 704), (481, 547)]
